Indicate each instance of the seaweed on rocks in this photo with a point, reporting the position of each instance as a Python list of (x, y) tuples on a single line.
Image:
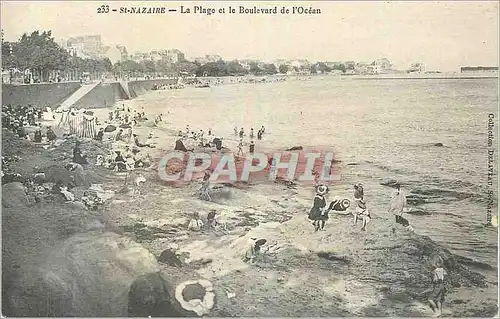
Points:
[(169, 257), (143, 232)]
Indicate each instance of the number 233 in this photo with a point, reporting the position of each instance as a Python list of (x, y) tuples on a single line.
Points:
[(103, 9)]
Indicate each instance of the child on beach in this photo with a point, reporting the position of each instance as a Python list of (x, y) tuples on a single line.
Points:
[(196, 224), (358, 192), (363, 213), (319, 213), (436, 298)]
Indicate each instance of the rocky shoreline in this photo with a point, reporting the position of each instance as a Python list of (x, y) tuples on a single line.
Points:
[(62, 259)]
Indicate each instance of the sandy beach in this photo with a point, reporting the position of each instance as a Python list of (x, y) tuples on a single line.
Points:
[(341, 271)]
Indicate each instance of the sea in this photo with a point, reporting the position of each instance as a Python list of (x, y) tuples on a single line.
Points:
[(381, 129)]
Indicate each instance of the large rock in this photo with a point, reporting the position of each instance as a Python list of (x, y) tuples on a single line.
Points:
[(89, 275), (14, 195), (110, 128), (61, 174), (151, 295), (169, 257), (389, 182)]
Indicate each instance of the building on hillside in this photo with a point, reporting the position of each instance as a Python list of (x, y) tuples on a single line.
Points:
[(362, 68), (200, 60), (261, 65), (336, 72), (416, 67), (174, 56), (123, 50), (92, 45), (156, 55), (63, 43), (140, 56), (246, 64), (300, 63), (78, 50), (479, 69), (213, 57), (279, 62), (383, 65)]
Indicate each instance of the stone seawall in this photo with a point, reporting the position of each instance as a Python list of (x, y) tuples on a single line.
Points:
[(41, 95), (137, 88), (52, 95), (103, 95)]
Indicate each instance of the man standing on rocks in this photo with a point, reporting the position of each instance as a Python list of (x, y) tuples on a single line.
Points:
[(397, 206)]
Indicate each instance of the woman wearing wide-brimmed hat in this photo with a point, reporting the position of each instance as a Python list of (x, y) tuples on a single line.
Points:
[(319, 212)]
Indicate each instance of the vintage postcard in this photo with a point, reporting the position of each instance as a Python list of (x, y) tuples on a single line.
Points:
[(249, 159)]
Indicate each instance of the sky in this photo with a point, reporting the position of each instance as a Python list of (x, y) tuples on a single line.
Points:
[(444, 35)]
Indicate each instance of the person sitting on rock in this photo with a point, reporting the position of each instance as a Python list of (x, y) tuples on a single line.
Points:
[(179, 146), (77, 155), (99, 160), (139, 160), (211, 218), (100, 134), (56, 188), (51, 136), (196, 224), (318, 214), (38, 136), (118, 136), (253, 249), (120, 162), (218, 143), (220, 222), (139, 144), (436, 298)]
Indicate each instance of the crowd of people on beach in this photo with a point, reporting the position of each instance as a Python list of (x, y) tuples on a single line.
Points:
[(126, 152), (18, 119), (129, 153)]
